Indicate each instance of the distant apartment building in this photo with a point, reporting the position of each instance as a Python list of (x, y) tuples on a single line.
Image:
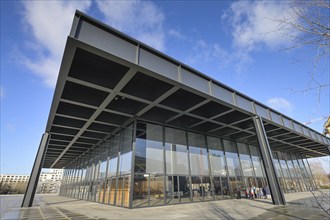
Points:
[(49, 181)]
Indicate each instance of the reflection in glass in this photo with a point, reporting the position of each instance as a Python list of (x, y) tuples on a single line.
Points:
[(177, 189), (234, 170), (156, 185), (176, 152), (126, 150), (113, 155), (112, 193), (247, 167), (218, 168), (295, 181), (149, 166), (310, 175), (174, 166), (258, 166), (285, 171), (198, 155), (298, 172), (279, 171), (149, 149), (140, 190)]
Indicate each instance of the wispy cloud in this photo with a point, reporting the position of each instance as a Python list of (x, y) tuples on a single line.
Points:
[(48, 23), (176, 34), (256, 24), (141, 19), (280, 104), (252, 25), (216, 54)]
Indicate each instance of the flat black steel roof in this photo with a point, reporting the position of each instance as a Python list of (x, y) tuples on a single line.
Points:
[(108, 79)]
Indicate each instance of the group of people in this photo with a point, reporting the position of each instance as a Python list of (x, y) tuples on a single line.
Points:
[(253, 192)]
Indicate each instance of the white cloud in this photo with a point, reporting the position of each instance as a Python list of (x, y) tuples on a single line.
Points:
[(252, 25), (49, 23), (217, 54), (209, 53), (176, 34), (141, 19), (255, 24), (280, 104)]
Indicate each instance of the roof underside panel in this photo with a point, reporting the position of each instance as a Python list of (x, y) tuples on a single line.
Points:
[(105, 83)]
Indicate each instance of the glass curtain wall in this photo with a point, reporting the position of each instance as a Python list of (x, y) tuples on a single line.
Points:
[(177, 180), (125, 167), (234, 169), (309, 174), (300, 176), (218, 168), (258, 167), (247, 167), (201, 188), (148, 188), (146, 164), (293, 172), (279, 171), (112, 169), (103, 172), (286, 174)]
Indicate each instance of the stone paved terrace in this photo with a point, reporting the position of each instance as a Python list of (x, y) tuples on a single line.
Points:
[(300, 205)]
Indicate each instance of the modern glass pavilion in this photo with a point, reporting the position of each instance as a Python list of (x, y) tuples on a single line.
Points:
[(133, 127)]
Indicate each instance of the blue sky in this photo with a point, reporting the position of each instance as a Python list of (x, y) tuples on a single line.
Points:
[(235, 42)]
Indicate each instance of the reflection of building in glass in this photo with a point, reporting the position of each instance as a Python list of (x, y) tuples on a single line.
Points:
[(50, 181), (133, 127)]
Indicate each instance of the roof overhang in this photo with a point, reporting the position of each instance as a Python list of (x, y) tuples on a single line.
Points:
[(108, 79)]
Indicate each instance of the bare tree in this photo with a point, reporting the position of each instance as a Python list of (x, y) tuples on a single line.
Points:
[(308, 25)]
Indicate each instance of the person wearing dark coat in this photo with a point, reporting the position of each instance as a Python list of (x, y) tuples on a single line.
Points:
[(264, 192)]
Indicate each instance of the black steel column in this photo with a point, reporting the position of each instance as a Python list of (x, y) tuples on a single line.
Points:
[(35, 173), (267, 158)]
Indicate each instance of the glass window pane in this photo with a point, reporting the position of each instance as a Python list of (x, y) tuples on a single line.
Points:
[(149, 149), (234, 169), (232, 158), (217, 157), (104, 160), (156, 190), (198, 155), (176, 151), (126, 150), (245, 160), (140, 190), (113, 155), (256, 160)]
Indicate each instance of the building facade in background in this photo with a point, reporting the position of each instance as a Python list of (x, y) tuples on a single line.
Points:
[(49, 181)]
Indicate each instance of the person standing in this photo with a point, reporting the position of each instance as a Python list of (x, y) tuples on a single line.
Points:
[(247, 193), (264, 192), (251, 193), (267, 192)]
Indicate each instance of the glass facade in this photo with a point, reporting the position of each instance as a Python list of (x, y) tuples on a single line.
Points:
[(293, 172), (146, 164)]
